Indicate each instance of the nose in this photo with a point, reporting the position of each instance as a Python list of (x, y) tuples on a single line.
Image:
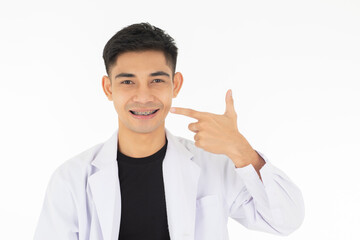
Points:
[(143, 94)]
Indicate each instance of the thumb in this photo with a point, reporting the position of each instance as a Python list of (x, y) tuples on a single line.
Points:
[(230, 110)]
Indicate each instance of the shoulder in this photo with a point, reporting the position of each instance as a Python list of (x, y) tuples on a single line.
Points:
[(77, 167)]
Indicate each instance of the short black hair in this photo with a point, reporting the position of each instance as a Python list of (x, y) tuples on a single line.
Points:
[(140, 37)]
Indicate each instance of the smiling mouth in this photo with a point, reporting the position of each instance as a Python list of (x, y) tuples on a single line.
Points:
[(144, 113)]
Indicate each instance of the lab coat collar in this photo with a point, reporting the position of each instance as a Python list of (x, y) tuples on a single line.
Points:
[(180, 176)]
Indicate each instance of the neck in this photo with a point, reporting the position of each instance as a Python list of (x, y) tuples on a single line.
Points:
[(138, 145)]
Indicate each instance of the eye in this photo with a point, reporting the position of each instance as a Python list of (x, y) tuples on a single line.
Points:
[(126, 81), (160, 80)]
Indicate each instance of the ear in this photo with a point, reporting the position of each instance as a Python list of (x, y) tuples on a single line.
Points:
[(106, 85), (178, 81)]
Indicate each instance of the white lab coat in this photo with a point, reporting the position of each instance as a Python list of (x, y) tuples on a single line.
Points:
[(202, 190)]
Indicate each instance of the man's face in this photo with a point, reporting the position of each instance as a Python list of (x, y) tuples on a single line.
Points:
[(141, 83)]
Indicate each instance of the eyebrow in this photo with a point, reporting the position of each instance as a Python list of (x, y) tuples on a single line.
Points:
[(154, 74)]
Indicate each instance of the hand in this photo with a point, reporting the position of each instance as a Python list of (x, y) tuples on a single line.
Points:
[(219, 134)]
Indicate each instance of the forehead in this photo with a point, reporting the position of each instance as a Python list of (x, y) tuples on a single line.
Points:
[(149, 60)]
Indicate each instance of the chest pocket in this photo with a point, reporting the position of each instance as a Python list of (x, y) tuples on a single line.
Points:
[(209, 223)]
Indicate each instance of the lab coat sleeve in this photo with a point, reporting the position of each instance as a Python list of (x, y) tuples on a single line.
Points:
[(274, 205), (58, 219)]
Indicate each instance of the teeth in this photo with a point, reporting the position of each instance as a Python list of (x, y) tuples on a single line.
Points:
[(144, 113)]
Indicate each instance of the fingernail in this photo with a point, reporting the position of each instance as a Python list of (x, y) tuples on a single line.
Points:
[(230, 93), (172, 109)]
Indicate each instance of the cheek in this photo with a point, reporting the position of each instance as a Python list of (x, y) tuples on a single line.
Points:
[(119, 102), (167, 100)]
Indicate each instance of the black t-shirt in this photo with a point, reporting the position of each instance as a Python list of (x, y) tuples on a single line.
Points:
[(143, 208)]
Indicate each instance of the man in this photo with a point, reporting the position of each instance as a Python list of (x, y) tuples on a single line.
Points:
[(144, 182)]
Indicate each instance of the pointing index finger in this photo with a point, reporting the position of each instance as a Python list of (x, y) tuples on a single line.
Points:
[(187, 112)]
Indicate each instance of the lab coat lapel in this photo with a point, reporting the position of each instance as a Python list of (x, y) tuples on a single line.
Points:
[(105, 188), (180, 176)]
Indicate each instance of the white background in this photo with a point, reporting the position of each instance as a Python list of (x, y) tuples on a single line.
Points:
[(293, 66)]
